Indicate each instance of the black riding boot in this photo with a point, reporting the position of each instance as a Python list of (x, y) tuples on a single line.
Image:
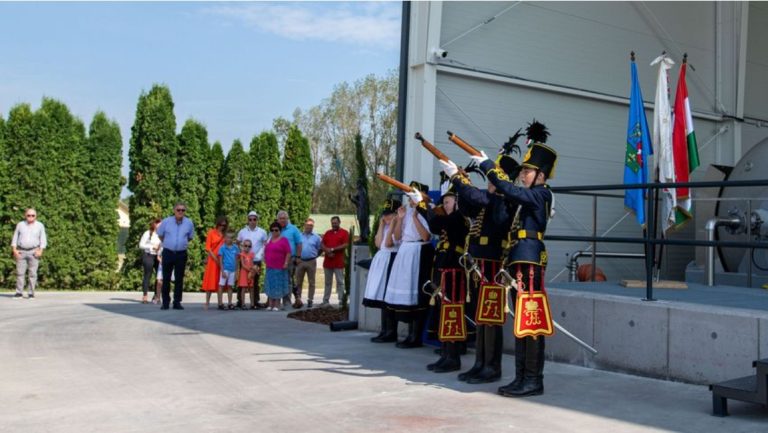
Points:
[(519, 368), (533, 375), (479, 355), (388, 327), (452, 359), (414, 335), (443, 355), (491, 371)]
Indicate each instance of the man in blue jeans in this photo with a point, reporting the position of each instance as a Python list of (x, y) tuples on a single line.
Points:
[(175, 232)]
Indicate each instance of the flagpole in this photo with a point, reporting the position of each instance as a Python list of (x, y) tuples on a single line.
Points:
[(656, 218)]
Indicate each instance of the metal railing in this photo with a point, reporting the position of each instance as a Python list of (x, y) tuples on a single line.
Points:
[(650, 240)]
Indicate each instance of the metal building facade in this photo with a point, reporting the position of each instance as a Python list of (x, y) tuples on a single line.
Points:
[(485, 69)]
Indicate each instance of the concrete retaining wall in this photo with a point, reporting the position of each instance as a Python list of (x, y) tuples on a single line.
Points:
[(667, 340)]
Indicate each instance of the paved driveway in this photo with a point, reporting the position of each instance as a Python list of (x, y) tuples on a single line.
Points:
[(101, 362)]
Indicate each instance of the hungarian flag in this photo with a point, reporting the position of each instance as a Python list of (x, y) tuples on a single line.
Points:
[(686, 153), (638, 149)]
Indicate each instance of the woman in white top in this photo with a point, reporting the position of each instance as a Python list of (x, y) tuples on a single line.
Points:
[(378, 274), (411, 267), (150, 244)]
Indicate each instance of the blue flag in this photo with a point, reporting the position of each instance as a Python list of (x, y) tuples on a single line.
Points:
[(638, 150)]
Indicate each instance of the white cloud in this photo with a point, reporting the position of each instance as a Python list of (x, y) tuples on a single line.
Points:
[(365, 24)]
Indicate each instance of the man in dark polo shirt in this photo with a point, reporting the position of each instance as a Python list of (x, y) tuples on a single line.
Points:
[(334, 246)]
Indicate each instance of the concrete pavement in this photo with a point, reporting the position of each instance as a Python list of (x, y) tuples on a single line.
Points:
[(102, 362)]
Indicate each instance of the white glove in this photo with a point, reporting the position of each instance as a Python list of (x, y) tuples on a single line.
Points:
[(479, 159), (415, 196), (449, 167)]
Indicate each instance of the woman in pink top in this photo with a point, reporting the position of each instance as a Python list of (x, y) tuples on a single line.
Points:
[(277, 253)]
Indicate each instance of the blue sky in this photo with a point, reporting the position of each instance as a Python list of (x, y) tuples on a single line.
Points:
[(232, 66)]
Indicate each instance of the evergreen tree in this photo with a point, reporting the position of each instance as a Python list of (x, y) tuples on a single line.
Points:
[(191, 189), (296, 176), (102, 185), (20, 150), (48, 174), (265, 160), (211, 204), (6, 220), (361, 196), (153, 167), (236, 183)]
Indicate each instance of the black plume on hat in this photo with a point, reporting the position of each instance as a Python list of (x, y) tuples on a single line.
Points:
[(537, 132), (511, 146), (472, 167)]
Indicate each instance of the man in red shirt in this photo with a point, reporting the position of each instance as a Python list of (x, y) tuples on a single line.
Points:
[(334, 246)]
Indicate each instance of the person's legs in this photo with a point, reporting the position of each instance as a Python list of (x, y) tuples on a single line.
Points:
[(339, 272), (21, 272), (179, 266), (290, 269), (256, 287), (33, 263), (328, 283), (169, 260), (301, 270), (148, 262), (312, 271), (207, 299)]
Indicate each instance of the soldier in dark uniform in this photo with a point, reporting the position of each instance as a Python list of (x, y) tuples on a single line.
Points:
[(451, 226), (527, 259), (486, 242)]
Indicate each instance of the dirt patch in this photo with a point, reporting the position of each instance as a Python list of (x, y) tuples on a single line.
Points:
[(322, 315)]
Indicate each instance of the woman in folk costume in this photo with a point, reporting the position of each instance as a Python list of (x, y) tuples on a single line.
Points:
[(451, 226), (528, 258), (411, 266), (378, 274), (492, 216)]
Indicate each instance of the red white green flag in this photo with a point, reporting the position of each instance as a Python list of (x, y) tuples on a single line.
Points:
[(686, 153)]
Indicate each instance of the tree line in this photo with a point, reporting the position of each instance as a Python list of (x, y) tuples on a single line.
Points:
[(72, 175)]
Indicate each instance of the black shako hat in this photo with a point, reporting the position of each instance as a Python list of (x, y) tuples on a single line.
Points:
[(539, 156)]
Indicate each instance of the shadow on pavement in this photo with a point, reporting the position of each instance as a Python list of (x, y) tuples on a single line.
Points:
[(632, 399)]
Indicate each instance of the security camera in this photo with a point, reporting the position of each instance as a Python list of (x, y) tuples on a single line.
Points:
[(440, 53)]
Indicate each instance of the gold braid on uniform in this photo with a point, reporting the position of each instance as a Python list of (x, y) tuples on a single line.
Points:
[(512, 238), (499, 173)]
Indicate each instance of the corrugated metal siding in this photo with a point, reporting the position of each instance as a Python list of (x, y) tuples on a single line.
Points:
[(756, 101)]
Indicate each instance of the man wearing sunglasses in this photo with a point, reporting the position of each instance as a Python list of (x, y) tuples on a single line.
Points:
[(28, 243), (258, 237), (175, 232)]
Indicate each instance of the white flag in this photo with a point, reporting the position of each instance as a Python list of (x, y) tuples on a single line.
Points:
[(662, 142)]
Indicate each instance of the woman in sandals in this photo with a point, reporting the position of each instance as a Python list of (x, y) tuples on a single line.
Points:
[(213, 241), (277, 254)]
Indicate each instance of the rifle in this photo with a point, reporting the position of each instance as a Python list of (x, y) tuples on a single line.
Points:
[(455, 139), (394, 182), (437, 153)]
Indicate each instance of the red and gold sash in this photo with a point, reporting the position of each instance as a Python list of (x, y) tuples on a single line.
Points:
[(532, 314)]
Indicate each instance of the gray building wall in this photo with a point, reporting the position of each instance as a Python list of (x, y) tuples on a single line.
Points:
[(567, 65)]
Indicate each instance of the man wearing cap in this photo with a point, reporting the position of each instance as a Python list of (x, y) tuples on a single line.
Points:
[(28, 243), (527, 259), (307, 264), (258, 237)]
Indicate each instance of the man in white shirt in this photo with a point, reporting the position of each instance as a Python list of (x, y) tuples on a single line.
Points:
[(258, 237), (28, 243)]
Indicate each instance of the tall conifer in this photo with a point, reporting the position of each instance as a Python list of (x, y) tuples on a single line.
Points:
[(190, 184), (153, 167), (236, 180), (214, 166), (265, 159), (296, 176), (102, 185)]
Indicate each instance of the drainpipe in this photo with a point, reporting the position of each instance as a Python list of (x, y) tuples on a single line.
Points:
[(710, 227)]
